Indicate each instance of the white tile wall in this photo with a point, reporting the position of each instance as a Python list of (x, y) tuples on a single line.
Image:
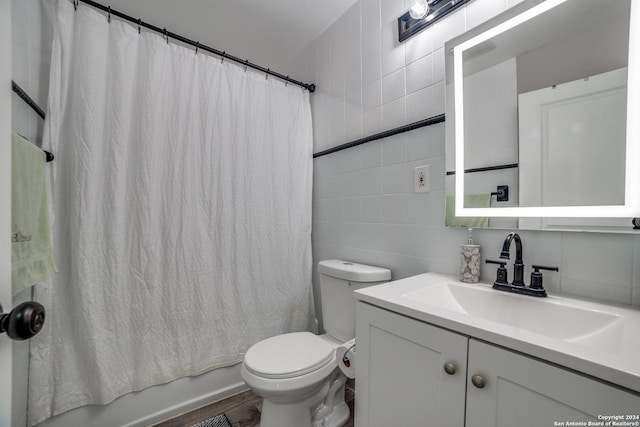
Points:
[(478, 12), (372, 95), (371, 68), (394, 113), (392, 60), (382, 222), (420, 74), (393, 86), (372, 121), (394, 150)]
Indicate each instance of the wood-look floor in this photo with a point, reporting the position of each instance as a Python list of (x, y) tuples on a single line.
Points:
[(242, 410)]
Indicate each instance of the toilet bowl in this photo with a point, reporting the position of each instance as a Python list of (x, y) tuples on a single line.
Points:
[(297, 374), (293, 373)]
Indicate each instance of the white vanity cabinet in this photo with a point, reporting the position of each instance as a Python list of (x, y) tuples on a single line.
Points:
[(399, 371), (522, 391), (402, 381)]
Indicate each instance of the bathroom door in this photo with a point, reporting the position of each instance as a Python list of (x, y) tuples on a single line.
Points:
[(572, 149), (5, 205)]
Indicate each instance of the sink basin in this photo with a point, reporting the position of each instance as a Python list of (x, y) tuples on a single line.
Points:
[(543, 316), (597, 339)]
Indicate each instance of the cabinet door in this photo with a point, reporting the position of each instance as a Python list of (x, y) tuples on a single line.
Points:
[(521, 391), (400, 373)]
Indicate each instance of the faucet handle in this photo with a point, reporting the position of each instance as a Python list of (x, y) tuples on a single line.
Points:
[(501, 274), (536, 276), (544, 267)]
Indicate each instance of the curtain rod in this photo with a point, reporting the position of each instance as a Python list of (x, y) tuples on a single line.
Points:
[(35, 107), (140, 23)]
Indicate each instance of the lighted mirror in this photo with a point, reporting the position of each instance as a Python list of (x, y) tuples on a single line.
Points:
[(539, 102)]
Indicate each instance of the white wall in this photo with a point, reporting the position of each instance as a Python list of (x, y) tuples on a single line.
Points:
[(5, 205), (364, 207)]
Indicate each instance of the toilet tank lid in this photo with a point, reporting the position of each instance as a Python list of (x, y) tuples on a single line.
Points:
[(352, 271)]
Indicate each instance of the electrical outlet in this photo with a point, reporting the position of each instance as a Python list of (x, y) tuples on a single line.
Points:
[(421, 181)]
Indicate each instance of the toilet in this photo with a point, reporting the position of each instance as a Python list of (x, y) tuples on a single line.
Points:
[(297, 374)]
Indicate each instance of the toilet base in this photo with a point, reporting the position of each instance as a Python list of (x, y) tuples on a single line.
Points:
[(337, 418), (324, 408)]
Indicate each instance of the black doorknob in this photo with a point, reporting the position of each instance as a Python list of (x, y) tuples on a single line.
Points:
[(24, 321)]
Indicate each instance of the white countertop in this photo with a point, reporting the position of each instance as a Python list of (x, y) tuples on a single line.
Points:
[(611, 353)]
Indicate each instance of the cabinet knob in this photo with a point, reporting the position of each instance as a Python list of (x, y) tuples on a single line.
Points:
[(450, 368), (477, 381)]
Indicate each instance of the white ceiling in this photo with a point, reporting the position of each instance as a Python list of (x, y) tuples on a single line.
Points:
[(270, 33)]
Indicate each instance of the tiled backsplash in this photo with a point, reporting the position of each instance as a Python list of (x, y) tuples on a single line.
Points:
[(365, 210), (364, 206)]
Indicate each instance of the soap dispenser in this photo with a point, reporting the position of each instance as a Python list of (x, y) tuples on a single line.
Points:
[(470, 260)]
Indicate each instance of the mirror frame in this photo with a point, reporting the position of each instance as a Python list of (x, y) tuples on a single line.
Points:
[(631, 207)]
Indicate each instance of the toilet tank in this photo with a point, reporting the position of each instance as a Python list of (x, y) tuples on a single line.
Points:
[(338, 280)]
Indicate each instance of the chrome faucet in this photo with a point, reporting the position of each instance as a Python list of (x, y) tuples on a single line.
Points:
[(518, 266)]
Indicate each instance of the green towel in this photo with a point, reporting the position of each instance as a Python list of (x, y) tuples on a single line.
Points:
[(31, 259), (470, 201)]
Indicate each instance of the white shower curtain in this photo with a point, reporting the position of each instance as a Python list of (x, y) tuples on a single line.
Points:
[(182, 213)]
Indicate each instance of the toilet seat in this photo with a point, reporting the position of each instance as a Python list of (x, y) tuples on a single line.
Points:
[(288, 356)]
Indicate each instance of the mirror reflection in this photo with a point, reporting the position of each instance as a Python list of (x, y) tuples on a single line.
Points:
[(545, 107)]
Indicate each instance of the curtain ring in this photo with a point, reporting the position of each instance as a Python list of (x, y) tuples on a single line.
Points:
[(197, 46), (222, 59), (165, 35), (266, 75), (246, 61), (139, 25), (75, 4), (286, 82), (109, 15)]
